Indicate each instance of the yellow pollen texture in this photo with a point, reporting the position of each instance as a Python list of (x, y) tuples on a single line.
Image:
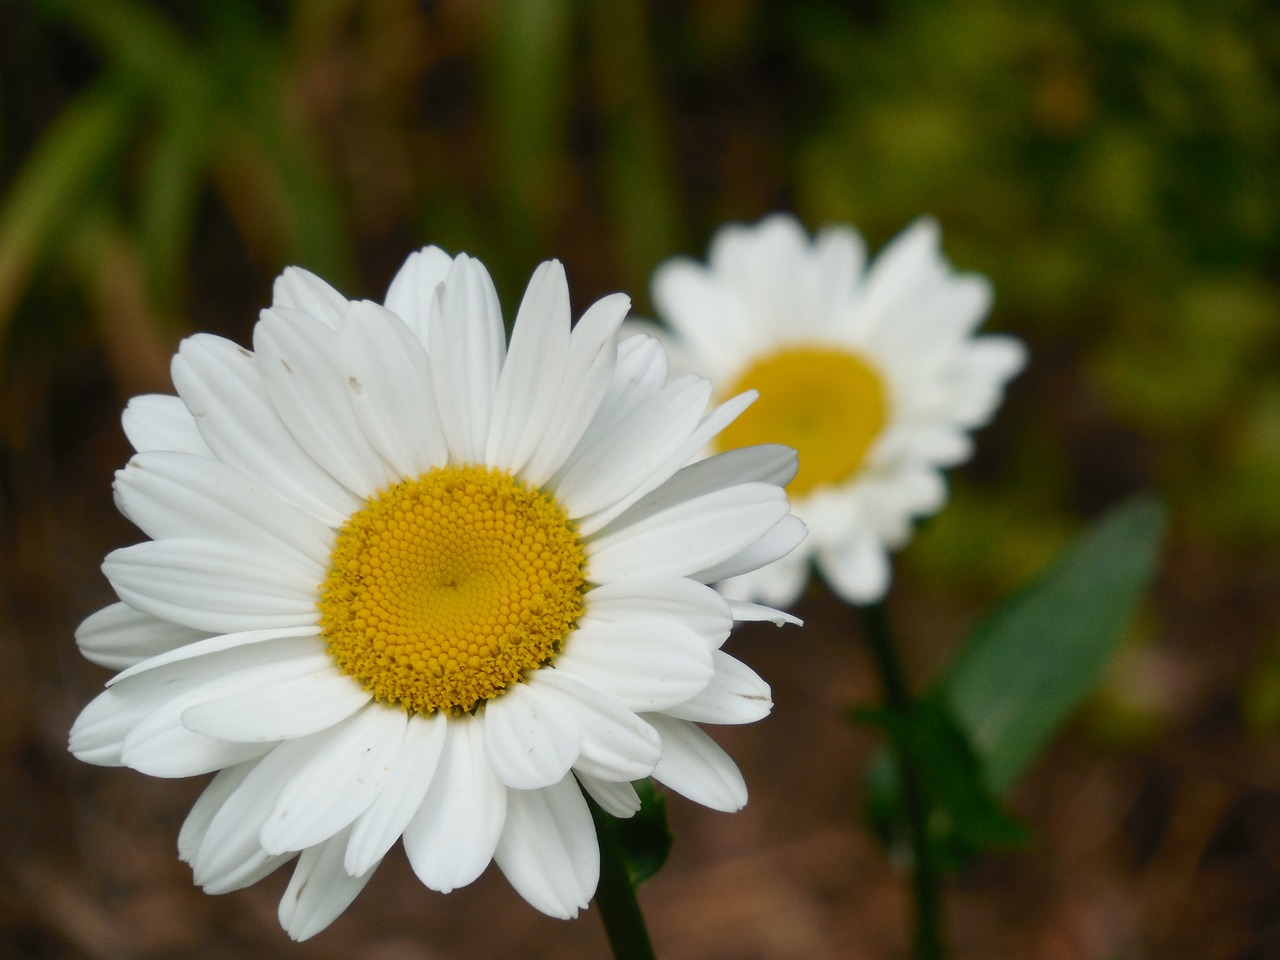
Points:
[(444, 589), (829, 404)]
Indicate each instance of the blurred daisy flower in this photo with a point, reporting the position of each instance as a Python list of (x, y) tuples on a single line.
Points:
[(407, 580), (873, 373)]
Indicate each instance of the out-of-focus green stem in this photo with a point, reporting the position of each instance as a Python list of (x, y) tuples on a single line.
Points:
[(899, 702)]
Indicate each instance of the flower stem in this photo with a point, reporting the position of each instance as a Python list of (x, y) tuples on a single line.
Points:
[(616, 894), (898, 701)]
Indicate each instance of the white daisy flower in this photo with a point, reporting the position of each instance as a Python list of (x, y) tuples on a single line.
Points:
[(874, 375), (408, 581)]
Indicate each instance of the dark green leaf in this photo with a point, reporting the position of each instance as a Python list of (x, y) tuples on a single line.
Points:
[(964, 817), (1031, 662), (645, 838)]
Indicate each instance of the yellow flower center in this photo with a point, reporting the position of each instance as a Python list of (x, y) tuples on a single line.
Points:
[(443, 590), (829, 404)]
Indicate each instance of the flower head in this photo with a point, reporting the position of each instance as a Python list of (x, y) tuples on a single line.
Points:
[(874, 375), (407, 580)]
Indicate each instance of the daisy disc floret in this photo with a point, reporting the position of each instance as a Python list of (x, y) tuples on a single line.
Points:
[(874, 374), (408, 581)]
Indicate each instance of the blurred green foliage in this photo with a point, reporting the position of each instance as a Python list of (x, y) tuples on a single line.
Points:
[(1110, 166)]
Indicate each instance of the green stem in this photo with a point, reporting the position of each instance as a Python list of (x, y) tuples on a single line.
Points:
[(616, 894), (924, 874)]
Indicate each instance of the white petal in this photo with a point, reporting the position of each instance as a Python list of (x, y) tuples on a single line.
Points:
[(206, 807), (616, 744), (548, 849), (302, 366), (388, 377), (164, 745), (156, 421), (781, 540), (618, 798), (646, 665), (212, 586), (602, 474), (468, 343), (281, 709), (223, 388), (119, 636), (319, 890), (590, 367), (230, 856), (414, 287), (531, 740), (858, 571), (896, 276), (99, 732), (380, 826), (452, 837), (525, 403), (338, 782), (767, 463), (778, 584), (736, 694), (693, 605), (302, 290), (693, 765), (690, 536), (640, 373), (207, 645), (173, 495), (710, 318), (745, 611)]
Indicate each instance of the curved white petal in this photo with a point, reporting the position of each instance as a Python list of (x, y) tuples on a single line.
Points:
[(605, 472), (380, 826), (388, 379), (468, 343), (736, 694), (589, 368), (229, 855), (524, 405), (280, 708), (452, 837), (414, 287), (175, 495), (695, 766), (206, 807), (213, 586), (691, 536), (693, 605), (548, 849), (301, 290), (222, 386), (787, 534), (157, 421), (338, 782), (531, 739), (302, 365), (646, 665), (857, 570), (320, 889), (118, 636), (616, 743), (617, 798)]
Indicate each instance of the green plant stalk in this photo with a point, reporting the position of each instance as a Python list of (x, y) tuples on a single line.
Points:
[(616, 894), (925, 879)]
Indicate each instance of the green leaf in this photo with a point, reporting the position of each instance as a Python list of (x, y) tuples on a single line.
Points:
[(645, 839), (964, 817), (1025, 667), (641, 842)]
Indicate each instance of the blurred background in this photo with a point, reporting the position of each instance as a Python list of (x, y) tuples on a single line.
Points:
[(1111, 167)]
